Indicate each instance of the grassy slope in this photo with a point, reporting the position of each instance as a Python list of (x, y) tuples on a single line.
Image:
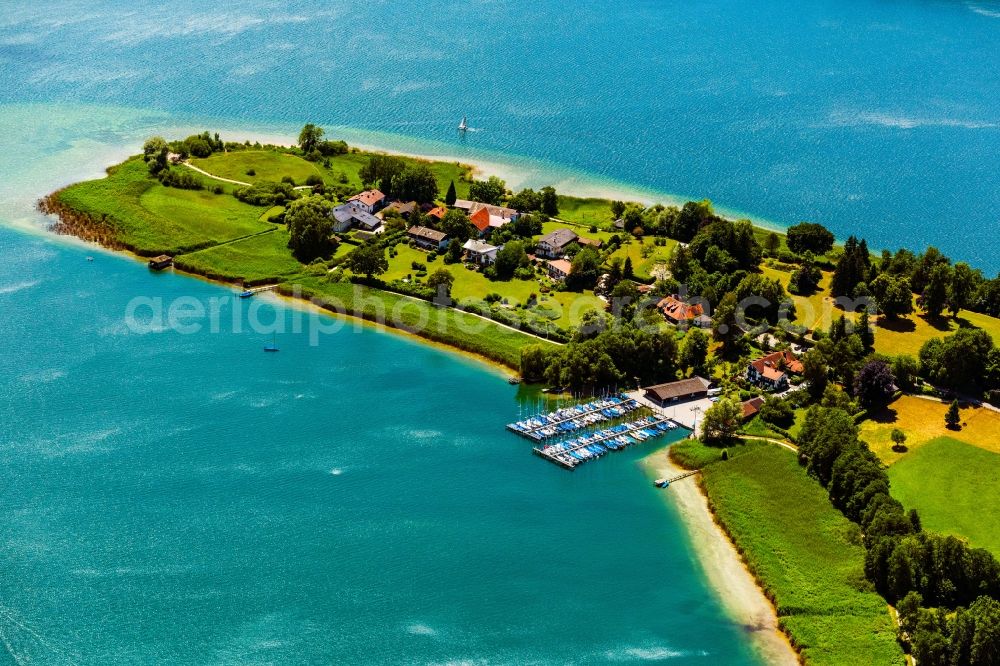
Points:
[(264, 257), (458, 329), (907, 335), (152, 218), (567, 307), (806, 555), (950, 482), (273, 165), (922, 421), (643, 266)]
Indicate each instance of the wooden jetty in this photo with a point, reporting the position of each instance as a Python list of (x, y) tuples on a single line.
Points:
[(665, 483), (247, 293)]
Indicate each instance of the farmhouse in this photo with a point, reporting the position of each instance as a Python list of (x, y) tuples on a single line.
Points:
[(479, 252), (350, 215), (679, 313), (499, 215), (751, 407), (404, 209), (371, 201), (685, 389), (771, 371), (428, 239), (558, 268), (554, 243)]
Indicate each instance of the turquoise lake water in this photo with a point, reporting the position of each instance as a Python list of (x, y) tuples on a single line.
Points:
[(876, 118), (174, 498), (186, 498)]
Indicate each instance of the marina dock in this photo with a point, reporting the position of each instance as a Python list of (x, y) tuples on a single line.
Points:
[(572, 419), (247, 293), (665, 483), (573, 452)]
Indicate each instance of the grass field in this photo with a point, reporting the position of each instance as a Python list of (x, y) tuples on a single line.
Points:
[(922, 421), (907, 335), (643, 266), (264, 257), (585, 211), (566, 308), (273, 165), (950, 483), (807, 556), (152, 218), (444, 325), (814, 311)]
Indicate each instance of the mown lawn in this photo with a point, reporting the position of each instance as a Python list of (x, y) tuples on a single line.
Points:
[(922, 420), (564, 308), (643, 267), (273, 165), (907, 335), (806, 554), (256, 259), (585, 211), (950, 483), (815, 311), (152, 218), (445, 325)]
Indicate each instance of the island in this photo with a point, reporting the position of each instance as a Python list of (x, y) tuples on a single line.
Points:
[(849, 432)]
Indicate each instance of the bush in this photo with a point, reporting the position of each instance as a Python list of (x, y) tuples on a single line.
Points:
[(289, 180), (417, 266), (251, 172), (431, 256), (314, 180), (524, 273)]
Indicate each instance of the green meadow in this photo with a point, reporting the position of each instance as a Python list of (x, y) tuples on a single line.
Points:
[(805, 554)]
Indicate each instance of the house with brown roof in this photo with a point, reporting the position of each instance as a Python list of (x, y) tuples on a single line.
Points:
[(558, 268), (428, 239), (554, 243), (679, 313), (437, 212), (685, 389), (404, 209), (772, 371), (751, 407), (595, 243), (371, 201)]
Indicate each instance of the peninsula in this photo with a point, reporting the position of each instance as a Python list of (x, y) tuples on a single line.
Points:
[(852, 392)]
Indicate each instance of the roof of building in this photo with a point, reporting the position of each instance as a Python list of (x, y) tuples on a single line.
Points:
[(752, 406), (479, 247), (768, 366), (559, 237), (561, 265), (403, 208), (592, 242), (679, 389), (427, 234), (437, 212), (368, 197), (161, 258), (678, 310), (351, 212), (480, 219)]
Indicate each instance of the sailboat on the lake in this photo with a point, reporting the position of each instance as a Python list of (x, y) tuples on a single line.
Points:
[(464, 125), (272, 346)]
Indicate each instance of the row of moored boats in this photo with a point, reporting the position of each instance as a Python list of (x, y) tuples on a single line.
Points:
[(572, 419), (572, 452)]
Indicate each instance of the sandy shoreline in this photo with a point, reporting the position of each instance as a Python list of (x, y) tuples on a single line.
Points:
[(726, 573)]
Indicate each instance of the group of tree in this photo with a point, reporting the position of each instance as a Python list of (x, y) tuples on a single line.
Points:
[(489, 191), (310, 228), (967, 360), (314, 147), (399, 179), (909, 567), (604, 353), (545, 201), (809, 237)]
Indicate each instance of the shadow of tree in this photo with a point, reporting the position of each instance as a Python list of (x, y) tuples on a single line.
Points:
[(884, 415), (942, 324), (897, 325)]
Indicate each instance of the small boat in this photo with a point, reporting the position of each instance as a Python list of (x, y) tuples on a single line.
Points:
[(272, 346), (513, 380), (464, 125), (246, 293), (90, 258)]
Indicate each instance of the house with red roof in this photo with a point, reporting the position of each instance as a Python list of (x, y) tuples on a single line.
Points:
[(370, 201), (772, 371), (679, 313), (481, 221)]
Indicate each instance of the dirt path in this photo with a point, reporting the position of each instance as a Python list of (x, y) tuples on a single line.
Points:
[(230, 180)]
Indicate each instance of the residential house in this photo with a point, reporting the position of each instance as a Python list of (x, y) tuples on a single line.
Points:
[(350, 215), (558, 268), (595, 243), (404, 209), (685, 389), (480, 252), (481, 221), (428, 239), (437, 212), (371, 201), (679, 313), (772, 371), (554, 243), (751, 407)]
